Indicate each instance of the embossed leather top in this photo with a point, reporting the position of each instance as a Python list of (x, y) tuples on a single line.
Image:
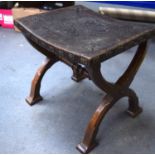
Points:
[(81, 32)]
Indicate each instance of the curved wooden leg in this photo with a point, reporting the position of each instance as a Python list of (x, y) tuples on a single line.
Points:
[(114, 93), (126, 79), (36, 82), (89, 139)]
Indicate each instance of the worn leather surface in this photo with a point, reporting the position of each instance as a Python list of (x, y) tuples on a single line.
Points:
[(82, 32)]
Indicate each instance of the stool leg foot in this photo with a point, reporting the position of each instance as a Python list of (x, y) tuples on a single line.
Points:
[(134, 109), (78, 73), (84, 148), (134, 113), (31, 101)]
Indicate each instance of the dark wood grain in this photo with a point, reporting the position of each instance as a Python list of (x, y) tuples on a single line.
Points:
[(83, 39)]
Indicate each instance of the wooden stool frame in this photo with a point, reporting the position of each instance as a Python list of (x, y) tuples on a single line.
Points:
[(114, 92)]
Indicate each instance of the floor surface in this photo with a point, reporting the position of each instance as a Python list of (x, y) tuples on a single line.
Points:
[(57, 124)]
